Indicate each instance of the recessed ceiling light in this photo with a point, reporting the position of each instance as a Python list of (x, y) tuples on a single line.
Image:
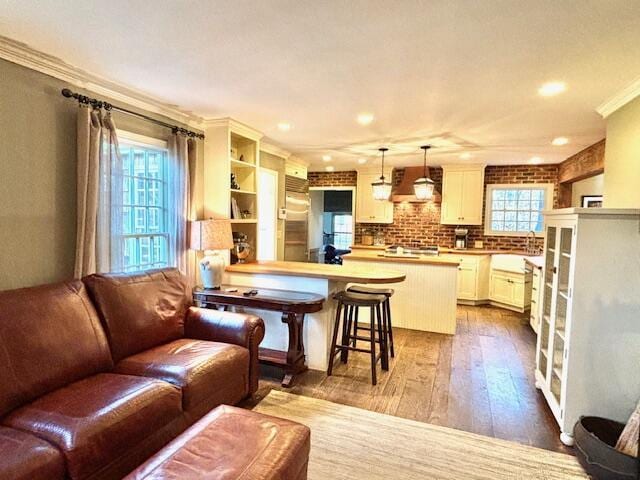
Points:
[(362, 161), (559, 141), (365, 118), (284, 126), (465, 156), (329, 168), (550, 89), (326, 158), (535, 160)]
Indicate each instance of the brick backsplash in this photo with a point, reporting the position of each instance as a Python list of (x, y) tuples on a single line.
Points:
[(417, 224)]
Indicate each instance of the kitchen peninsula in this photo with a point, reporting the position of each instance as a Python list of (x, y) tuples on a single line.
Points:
[(427, 300), (313, 278)]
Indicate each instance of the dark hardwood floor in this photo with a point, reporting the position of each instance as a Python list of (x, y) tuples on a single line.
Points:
[(480, 380)]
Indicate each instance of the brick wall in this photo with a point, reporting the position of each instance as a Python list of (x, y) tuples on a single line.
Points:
[(419, 223)]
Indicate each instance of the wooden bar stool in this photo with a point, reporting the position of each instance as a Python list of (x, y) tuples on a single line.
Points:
[(348, 307), (386, 309)]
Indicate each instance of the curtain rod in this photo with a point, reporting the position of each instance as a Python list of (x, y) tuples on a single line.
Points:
[(94, 102)]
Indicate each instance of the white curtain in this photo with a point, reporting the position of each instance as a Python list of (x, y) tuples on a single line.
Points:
[(182, 160), (98, 220)]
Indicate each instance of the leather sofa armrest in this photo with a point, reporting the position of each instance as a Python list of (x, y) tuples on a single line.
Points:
[(226, 327)]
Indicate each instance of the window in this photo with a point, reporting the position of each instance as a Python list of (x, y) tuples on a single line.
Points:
[(342, 231), (516, 209), (145, 239)]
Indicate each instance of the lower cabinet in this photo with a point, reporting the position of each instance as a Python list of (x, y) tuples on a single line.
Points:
[(510, 289), (536, 290), (473, 277)]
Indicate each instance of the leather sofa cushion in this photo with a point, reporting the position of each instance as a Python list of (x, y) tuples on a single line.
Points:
[(231, 443), (141, 310), (209, 373), (25, 457), (50, 336), (98, 419)]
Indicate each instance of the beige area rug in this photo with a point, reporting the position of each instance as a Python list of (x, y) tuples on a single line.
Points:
[(350, 443)]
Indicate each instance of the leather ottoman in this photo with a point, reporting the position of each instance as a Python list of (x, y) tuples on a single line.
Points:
[(232, 443)]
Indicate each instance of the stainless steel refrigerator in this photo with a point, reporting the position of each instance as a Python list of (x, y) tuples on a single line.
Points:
[(297, 219)]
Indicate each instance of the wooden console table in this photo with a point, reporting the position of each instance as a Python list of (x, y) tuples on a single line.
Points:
[(292, 305)]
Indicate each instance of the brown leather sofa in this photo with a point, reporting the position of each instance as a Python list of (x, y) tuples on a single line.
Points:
[(98, 375)]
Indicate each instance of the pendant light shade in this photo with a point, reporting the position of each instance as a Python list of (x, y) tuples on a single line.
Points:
[(423, 187), (381, 187)]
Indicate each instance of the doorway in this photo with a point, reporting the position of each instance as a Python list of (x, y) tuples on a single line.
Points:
[(331, 220), (267, 214)]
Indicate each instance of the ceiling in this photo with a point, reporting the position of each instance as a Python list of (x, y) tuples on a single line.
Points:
[(460, 74)]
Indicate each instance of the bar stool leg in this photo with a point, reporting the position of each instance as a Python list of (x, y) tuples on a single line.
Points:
[(382, 335), (334, 339), (346, 328), (373, 346), (355, 326), (387, 307)]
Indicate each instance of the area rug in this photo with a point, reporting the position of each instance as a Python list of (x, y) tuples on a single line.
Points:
[(350, 443)]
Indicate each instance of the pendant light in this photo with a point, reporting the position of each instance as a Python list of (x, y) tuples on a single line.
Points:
[(423, 187), (381, 188)]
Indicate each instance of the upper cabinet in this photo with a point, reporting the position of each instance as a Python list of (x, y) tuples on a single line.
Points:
[(369, 210), (296, 168), (462, 194)]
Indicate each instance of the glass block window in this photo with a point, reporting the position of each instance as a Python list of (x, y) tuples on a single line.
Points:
[(516, 209), (145, 204)]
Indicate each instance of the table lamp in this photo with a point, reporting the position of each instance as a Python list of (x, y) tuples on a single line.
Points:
[(208, 236)]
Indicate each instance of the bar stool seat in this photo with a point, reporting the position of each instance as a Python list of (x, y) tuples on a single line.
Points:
[(348, 306), (386, 309), (388, 292)]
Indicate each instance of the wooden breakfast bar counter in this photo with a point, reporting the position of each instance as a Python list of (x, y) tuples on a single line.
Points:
[(315, 278)]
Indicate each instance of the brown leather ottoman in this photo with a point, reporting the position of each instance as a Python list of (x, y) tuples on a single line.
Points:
[(232, 443)]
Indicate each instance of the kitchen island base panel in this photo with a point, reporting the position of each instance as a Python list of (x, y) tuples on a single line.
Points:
[(426, 300)]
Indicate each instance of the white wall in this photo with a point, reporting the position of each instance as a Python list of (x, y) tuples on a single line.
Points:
[(589, 186), (622, 157)]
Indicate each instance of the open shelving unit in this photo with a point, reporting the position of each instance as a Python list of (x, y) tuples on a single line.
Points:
[(233, 152)]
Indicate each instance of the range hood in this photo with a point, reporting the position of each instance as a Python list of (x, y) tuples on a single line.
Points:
[(404, 191)]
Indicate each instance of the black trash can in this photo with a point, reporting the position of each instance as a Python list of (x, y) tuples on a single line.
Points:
[(595, 440)]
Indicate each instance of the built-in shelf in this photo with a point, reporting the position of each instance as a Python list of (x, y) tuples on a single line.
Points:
[(560, 333), (240, 164), (547, 318), (566, 255), (544, 352), (564, 294), (246, 192), (244, 220), (552, 250), (557, 371)]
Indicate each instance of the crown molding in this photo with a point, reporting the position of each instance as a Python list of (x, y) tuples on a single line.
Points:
[(274, 150), (235, 126), (620, 99), (21, 54)]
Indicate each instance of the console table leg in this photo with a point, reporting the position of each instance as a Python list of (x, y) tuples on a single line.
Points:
[(295, 352)]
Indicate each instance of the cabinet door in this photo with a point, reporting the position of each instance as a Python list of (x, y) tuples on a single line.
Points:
[(472, 193), (501, 289), (369, 210), (452, 198), (467, 285)]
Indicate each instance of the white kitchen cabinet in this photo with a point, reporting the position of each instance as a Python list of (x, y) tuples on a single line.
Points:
[(369, 210), (588, 348), (473, 277), (295, 169), (510, 289), (536, 289), (462, 194)]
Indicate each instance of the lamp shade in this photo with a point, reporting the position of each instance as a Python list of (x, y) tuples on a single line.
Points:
[(213, 234), (423, 188), (381, 189)]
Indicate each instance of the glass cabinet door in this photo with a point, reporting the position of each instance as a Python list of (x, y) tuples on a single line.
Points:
[(565, 251), (547, 297)]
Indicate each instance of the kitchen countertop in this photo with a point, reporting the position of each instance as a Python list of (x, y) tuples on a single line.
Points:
[(341, 273), (373, 255), (537, 262), (466, 251)]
